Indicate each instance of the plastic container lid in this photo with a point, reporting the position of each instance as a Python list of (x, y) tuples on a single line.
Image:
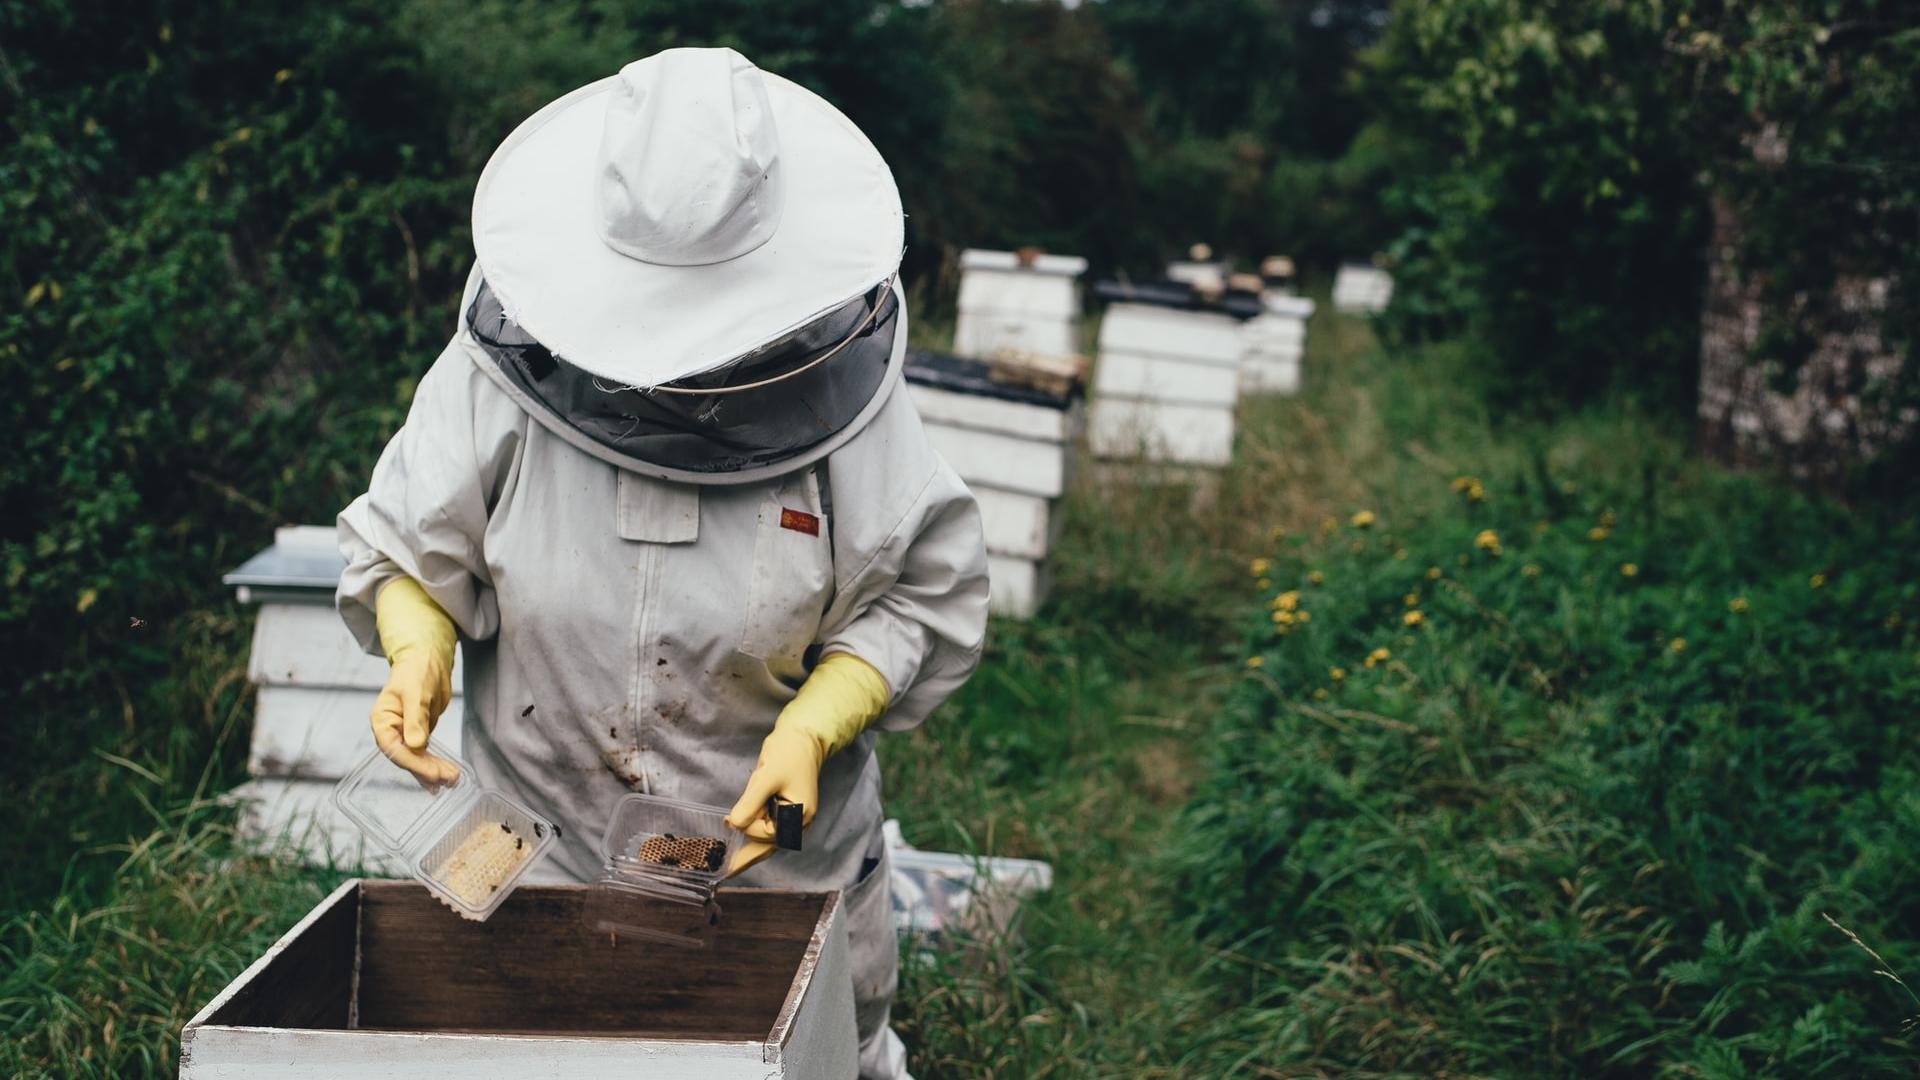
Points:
[(469, 845), (664, 859)]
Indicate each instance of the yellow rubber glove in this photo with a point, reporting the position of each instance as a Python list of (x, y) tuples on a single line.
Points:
[(840, 698), (419, 639)]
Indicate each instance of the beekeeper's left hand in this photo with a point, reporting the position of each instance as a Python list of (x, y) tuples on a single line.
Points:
[(840, 698)]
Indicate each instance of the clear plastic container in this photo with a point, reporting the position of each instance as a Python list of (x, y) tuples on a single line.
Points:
[(664, 859), (469, 845)]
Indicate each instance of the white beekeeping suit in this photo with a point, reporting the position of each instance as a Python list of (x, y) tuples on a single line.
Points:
[(642, 582)]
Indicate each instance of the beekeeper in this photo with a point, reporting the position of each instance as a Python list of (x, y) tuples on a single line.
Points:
[(665, 487)]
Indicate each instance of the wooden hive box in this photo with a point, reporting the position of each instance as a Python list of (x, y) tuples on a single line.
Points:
[(315, 686), (1013, 447), (1026, 306), (381, 980), (1166, 385)]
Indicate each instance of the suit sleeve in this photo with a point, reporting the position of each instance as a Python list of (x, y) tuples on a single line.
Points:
[(916, 608), (425, 511)]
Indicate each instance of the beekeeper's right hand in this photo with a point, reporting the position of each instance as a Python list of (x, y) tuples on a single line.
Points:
[(419, 639)]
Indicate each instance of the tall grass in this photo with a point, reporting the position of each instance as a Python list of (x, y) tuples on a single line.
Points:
[(102, 991)]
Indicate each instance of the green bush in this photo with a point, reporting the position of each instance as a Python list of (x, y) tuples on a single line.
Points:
[(1563, 156), (1561, 780)]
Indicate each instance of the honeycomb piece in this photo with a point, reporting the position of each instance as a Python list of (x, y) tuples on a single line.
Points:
[(689, 852), (485, 859)]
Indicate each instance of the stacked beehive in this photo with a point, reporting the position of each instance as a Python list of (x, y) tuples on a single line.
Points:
[(1276, 339), (1168, 378), (315, 688), (1361, 288), (1004, 411), (1011, 444), (1020, 301)]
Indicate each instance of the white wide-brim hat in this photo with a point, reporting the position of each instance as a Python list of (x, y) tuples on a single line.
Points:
[(664, 221)]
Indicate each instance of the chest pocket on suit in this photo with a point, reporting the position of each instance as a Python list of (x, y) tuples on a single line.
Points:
[(792, 575)]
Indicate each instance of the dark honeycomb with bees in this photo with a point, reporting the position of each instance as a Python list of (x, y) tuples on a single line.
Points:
[(691, 852)]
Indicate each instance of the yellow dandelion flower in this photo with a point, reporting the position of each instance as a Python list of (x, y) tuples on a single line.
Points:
[(1259, 567), (1433, 573), (1302, 616), (1316, 577), (1264, 584), (1413, 618), (1816, 581), (1475, 492), (1336, 674), (1362, 520), (1412, 599), (1488, 541), (1256, 661), (1462, 483), (1283, 618), (1378, 657), (1607, 520), (1628, 569), (1738, 605), (1287, 601), (1276, 534), (1678, 644), (1320, 693), (1597, 533), (1530, 571)]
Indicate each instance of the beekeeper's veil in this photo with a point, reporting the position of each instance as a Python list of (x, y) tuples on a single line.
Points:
[(690, 269)]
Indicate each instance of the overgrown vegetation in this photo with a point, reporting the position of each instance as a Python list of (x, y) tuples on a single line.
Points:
[(1556, 163), (1559, 776)]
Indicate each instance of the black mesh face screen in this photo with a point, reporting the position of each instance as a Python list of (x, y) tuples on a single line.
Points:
[(710, 433)]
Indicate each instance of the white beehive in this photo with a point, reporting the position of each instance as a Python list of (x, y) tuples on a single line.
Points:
[(1166, 386), (315, 689), (1011, 444), (1276, 341), (1362, 289), (1019, 301), (1210, 276)]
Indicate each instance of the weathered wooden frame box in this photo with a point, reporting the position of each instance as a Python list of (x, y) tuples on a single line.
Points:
[(381, 980)]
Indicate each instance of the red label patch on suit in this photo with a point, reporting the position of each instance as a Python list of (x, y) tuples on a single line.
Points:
[(799, 521)]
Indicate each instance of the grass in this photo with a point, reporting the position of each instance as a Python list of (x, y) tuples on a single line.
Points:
[(1092, 737)]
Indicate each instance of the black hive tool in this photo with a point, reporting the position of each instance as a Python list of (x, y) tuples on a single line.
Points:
[(788, 818)]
